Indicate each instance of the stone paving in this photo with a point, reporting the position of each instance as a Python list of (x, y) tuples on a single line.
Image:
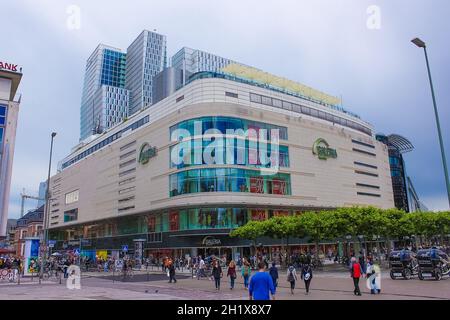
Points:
[(154, 286)]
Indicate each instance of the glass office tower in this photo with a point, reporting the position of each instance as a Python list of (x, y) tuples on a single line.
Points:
[(146, 57), (193, 60), (104, 101)]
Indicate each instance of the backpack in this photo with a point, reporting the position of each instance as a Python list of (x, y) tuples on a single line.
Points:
[(356, 270), (291, 276)]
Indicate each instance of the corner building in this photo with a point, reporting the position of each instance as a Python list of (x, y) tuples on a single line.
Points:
[(123, 186)]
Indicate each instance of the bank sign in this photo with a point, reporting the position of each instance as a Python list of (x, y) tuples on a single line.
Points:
[(146, 153), (9, 66), (322, 150)]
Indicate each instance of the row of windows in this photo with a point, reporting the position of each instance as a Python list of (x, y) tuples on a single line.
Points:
[(2, 123), (177, 220), (366, 173), (363, 144), (277, 103), (365, 165), (242, 153), (228, 180), (106, 142), (364, 152), (367, 186), (368, 194), (229, 123)]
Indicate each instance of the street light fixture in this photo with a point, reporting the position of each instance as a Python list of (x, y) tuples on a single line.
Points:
[(419, 43), (46, 212)]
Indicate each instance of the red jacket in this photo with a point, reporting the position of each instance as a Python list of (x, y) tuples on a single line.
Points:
[(356, 270)]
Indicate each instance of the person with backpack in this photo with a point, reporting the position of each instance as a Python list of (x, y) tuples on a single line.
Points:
[(232, 273), (355, 273), (291, 277), (246, 271), (306, 275), (274, 274)]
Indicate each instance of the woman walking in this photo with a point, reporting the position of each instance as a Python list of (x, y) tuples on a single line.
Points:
[(274, 274), (306, 276), (217, 273), (291, 277), (232, 273), (246, 271)]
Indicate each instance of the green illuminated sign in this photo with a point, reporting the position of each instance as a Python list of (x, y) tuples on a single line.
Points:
[(147, 152), (322, 150)]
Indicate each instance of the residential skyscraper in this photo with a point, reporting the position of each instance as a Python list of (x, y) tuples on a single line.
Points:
[(10, 76), (193, 60), (105, 100), (146, 57)]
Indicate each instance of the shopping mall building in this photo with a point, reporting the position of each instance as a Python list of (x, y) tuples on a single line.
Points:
[(164, 181)]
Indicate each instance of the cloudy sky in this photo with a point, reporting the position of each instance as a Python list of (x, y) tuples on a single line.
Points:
[(337, 46)]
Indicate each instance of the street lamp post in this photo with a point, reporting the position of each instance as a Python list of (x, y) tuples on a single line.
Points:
[(46, 212), (419, 43)]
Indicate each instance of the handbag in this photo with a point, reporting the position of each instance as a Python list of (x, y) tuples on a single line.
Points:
[(168, 273)]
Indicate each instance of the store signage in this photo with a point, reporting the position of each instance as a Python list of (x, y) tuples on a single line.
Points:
[(146, 153), (322, 150), (210, 241), (8, 66)]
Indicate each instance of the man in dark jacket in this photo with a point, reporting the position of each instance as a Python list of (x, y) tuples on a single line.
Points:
[(273, 271), (172, 273)]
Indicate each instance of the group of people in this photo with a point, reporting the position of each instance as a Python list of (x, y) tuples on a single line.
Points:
[(11, 262)]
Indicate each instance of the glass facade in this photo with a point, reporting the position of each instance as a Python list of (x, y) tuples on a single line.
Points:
[(228, 180), (229, 123), (170, 221), (246, 153), (101, 105)]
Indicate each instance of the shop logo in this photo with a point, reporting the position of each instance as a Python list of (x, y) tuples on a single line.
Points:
[(322, 150), (8, 66), (210, 241), (147, 152)]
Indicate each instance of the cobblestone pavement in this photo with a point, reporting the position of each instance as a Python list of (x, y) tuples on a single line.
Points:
[(154, 286)]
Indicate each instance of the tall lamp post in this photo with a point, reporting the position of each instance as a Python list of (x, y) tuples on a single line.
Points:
[(46, 212), (422, 44)]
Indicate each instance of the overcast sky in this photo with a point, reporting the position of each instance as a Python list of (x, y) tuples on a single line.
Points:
[(328, 45)]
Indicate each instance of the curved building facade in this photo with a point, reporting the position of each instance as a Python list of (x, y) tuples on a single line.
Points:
[(176, 178)]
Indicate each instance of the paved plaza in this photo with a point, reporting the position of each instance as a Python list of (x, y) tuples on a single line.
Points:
[(153, 285)]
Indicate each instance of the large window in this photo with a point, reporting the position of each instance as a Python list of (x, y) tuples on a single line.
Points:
[(228, 180), (72, 197), (224, 123), (71, 215), (235, 151)]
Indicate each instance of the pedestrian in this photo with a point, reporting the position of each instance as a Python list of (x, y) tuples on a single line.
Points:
[(273, 271), (171, 269), (373, 272), (246, 271), (306, 275), (217, 273), (291, 277), (232, 273), (261, 285), (355, 272), (362, 262)]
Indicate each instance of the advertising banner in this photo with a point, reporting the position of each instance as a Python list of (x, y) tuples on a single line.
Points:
[(31, 256)]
